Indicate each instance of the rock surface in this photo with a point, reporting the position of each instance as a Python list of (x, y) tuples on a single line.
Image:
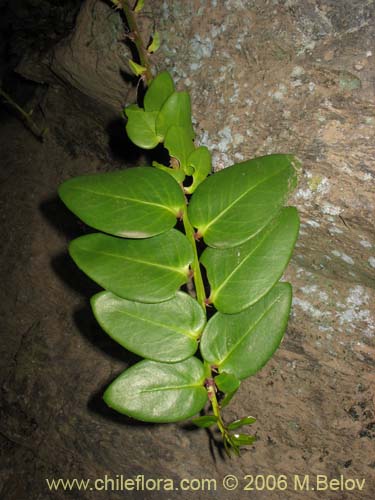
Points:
[(265, 77)]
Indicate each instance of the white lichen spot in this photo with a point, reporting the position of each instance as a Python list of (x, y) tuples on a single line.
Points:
[(343, 256), (297, 71), (365, 244), (309, 289), (330, 209), (309, 308), (311, 86), (313, 223), (371, 261), (304, 194), (356, 312), (335, 230)]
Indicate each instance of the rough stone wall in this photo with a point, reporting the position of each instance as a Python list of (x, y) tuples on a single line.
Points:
[(265, 77)]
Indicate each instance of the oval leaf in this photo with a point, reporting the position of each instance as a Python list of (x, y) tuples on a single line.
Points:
[(240, 276), (179, 144), (226, 382), (205, 421), (242, 439), (242, 343), (233, 205), (200, 161), (160, 89), (150, 270), (159, 392), (140, 127), (135, 203), (175, 111), (165, 332), (236, 424)]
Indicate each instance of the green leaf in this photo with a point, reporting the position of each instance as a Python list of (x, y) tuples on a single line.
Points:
[(165, 332), (240, 276), (200, 161), (160, 89), (159, 392), (227, 399), (236, 424), (179, 144), (139, 6), (205, 421), (155, 44), (135, 203), (226, 382), (149, 270), (177, 173), (242, 343), (140, 127), (242, 439), (136, 68), (233, 205), (175, 111)]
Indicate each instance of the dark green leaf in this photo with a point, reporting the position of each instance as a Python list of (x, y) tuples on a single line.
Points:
[(200, 161), (233, 205), (227, 398), (165, 332), (160, 89), (175, 111), (226, 382), (236, 424), (179, 144), (205, 421), (135, 203), (242, 439), (242, 343), (159, 392), (149, 270), (140, 127), (240, 276)]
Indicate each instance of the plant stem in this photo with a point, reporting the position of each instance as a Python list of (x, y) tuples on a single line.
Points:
[(138, 42), (33, 127), (210, 385), (198, 280)]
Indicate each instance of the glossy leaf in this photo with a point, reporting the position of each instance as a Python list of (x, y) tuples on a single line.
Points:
[(135, 203), (236, 424), (177, 173), (136, 68), (139, 5), (240, 276), (155, 44), (205, 421), (226, 382), (159, 392), (179, 144), (165, 332), (233, 205), (200, 162), (242, 439), (140, 127), (175, 111), (149, 270), (160, 89), (242, 343)]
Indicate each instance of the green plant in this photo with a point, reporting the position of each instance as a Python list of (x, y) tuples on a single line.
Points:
[(142, 262)]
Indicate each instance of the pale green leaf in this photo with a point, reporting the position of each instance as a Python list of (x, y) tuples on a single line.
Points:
[(160, 89), (165, 332), (140, 127), (177, 173), (242, 439), (134, 203), (175, 111), (139, 5), (155, 44), (179, 144), (233, 205), (227, 382), (159, 392), (200, 161), (147, 270), (136, 68), (236, 424), (241, 344), (205, 421), (240, 276)]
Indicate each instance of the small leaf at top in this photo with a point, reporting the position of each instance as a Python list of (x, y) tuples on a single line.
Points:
[(179, 144), (240, 276), (175, 111), (241, 344), (139, 5), (140, 127), (160, 89), (155, 44), (233, 205), (134, 203), (200, 161), (177, 173), (159, 392), (148, 270), (226, 382), (205, 421), (136, 68), (166, 332), (236, 424)]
